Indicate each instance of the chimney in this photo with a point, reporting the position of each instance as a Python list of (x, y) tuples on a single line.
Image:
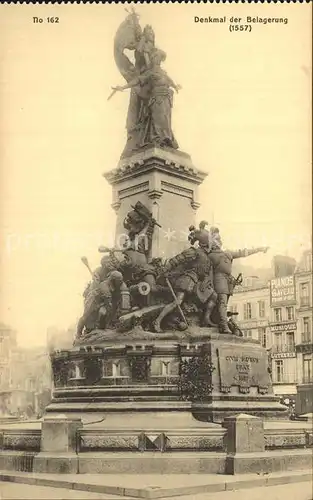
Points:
[(283, 266)]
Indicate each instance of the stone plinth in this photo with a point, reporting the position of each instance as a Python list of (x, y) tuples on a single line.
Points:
[(58, 434), (200, 372), (245, 434), (58, 445), (240, 382), (166, 182), (245, 447)]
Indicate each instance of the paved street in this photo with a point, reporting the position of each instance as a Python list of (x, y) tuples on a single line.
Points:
[(15, 491), (298, 491)]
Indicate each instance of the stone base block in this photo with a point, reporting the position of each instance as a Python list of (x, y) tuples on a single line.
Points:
[(268, 462), (218, 407), (152, 463), (20, 461), (158, 463), (56, 463)]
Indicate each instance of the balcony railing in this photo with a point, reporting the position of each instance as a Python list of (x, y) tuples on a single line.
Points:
[(284, 379), (284, 348), (307, 379), (306, 338), (304, 301)]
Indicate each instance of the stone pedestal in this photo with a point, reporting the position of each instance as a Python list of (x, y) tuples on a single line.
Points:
[(245, 437), (240, 381), (58, 434), (245, 434), (166, 182), (197, 372), (59, 445)]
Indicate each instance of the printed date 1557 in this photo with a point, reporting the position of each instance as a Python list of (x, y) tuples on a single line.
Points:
[(50, 20)]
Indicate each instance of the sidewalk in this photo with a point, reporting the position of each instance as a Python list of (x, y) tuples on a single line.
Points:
[(157, 485), (13, 491)]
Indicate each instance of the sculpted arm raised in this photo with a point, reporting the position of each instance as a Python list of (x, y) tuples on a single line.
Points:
[(245, 252), (182, 258)]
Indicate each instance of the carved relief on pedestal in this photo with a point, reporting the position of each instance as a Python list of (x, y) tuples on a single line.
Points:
[(60, 372), (139, 367), (77, 371), (244, 368), (195, 382)]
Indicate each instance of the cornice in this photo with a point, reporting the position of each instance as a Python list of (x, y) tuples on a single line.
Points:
[(176, 163)]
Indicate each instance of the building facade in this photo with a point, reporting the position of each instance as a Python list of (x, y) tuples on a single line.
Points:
[(283, 328), (30, 379), (251, 302), (7, 345), (304, 343), (278, 313)]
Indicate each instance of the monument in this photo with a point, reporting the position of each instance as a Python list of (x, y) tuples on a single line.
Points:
[(160, 379), (155, 347)]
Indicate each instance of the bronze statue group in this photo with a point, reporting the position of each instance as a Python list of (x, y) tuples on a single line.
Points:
[(193, 288)]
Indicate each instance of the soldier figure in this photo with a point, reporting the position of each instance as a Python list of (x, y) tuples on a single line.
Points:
[(232, 324), (193, 271), (223, 281), (135, 268), (103, 303)]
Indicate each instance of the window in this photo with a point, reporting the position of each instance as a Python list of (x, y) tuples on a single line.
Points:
[(304, 294), (263, 337), (116, 369), (77, 370), (278, 340), (307, 368), (279, 370), (306, 335), (261, 309), (277, 314), (247, 333), (107, 369), (247, 311), (233, 308), (165, 368), (290, 313), (290, 340), (308, 262), (4, 348)]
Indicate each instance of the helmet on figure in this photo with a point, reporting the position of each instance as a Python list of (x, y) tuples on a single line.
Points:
[(201, 235), (116, 276)]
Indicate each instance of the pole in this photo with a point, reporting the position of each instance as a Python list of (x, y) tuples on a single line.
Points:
[(85, 261), (176, 301)]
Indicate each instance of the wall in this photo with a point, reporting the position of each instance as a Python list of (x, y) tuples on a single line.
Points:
[(247, 299), (7, 344), (304, 341)]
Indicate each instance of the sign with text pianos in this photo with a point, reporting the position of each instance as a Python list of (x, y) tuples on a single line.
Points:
[(283, 291)]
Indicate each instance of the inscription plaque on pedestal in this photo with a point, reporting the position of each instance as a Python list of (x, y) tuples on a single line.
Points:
[(243, 368)]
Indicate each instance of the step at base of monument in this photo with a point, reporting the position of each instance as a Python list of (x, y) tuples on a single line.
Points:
[(133, 420), (220, 407), (158, 463), (171, 414)]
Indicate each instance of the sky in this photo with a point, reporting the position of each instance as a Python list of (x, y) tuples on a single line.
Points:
[(243, 114)]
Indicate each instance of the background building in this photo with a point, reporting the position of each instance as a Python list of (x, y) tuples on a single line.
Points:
[(278, 313), (283, 327), (31, 381), (251, 302), (7, 345), (304, 340), (58, 338)]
